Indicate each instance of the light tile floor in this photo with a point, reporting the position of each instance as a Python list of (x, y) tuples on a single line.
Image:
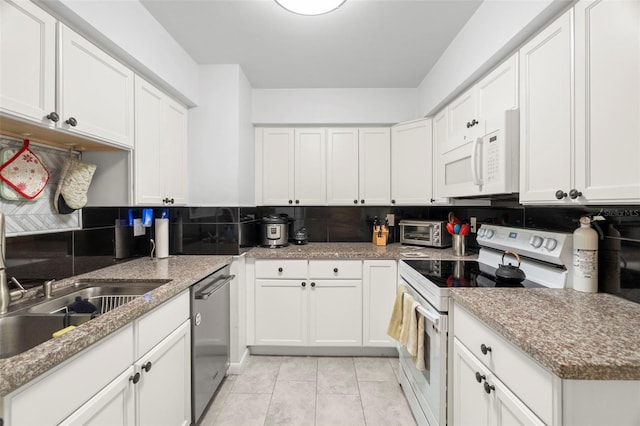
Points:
[(318, 391)]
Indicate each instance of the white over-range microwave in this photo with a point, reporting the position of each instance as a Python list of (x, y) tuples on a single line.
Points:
[(486, 165)]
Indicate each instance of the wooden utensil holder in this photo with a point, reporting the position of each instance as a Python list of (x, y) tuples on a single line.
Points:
[(380, 235)]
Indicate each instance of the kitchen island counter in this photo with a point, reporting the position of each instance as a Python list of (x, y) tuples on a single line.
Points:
[(353, 251), (180, 271), (576, 336)]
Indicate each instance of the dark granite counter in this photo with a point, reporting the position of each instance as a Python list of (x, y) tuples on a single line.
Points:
[(575, 335)]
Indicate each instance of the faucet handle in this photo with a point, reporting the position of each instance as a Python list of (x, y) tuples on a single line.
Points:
[(17, 283), (47, 289)]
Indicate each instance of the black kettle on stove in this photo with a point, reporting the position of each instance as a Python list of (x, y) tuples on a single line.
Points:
[(509, 275)]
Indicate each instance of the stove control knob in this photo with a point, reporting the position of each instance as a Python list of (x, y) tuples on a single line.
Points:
[(536, 241), (550, 244), (489, 233), (481, 232)]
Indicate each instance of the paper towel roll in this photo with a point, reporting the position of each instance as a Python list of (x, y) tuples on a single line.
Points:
[(162, 238)]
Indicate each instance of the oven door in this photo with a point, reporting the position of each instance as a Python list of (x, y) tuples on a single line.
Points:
[(428, 386)]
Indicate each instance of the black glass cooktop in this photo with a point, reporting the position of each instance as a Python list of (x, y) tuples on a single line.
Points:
[(461, 273)]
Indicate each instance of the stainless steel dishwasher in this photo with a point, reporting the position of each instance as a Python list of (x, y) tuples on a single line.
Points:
[(209, 338)]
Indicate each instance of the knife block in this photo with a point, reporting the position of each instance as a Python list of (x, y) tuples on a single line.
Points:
[(380, 235)]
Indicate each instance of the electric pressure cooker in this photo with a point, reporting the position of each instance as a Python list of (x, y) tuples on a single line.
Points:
[(274, 231)]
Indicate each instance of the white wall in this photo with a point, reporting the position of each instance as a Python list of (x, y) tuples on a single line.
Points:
[(494, 31), (128, 31), (333, 106), (221, 165)]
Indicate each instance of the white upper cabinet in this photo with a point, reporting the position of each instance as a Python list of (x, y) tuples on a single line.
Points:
[(291, 166), (607, 101), (359, 170), (545, 114), (27, 61), (160, 149), (95, 92), (587, 153), (275, 166), (411, 163), (342, 166), (496, 93), (463, 120), (375, 166), (310, 167)]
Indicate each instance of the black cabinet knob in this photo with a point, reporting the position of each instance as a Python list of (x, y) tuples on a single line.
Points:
[(335, 270), (135, 378), (432, 200), (304, 284), (290, 201), (53, 116), (468, 124), (72, 122), (480, 377), (280, 269), (574, 193), (474, 122), (313, 284), (355, 201), (488, 388), (361, 201), (297, 201), (560, 194), (172, 201), (393, 201), (147, 366), (484, 349)]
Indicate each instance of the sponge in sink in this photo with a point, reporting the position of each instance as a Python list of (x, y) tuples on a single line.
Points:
[(63, 331)]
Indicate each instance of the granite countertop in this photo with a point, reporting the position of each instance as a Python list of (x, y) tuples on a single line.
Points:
[(354, 251), (183, 271), (575, 335)]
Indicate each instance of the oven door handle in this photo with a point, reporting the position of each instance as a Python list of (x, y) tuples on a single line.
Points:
[(430, 317)]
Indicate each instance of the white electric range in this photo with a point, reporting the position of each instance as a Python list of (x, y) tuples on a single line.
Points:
[(545, 258)]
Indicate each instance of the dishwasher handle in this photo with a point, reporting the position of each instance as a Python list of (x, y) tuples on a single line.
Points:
[(204, 293)]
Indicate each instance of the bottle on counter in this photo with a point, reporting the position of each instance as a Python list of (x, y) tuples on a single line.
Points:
[(585, 257)]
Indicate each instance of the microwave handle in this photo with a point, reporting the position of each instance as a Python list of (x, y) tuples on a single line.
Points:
[(474, 162)]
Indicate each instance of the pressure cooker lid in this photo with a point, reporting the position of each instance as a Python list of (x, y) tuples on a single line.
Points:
[(275, 219)]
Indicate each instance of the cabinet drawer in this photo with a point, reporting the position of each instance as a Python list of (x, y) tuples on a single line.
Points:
[(54, 396), (338, 269), (274, 269), (521, 374), (159, 323)]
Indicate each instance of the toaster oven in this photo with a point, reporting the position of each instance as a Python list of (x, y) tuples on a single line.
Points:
[(429, 233)]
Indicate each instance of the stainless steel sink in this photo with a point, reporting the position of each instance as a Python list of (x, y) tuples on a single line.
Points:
[(104, 296), (35, 323)]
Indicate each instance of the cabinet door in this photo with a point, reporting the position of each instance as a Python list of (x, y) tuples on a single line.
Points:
[(94, 89), (496, 93), (507, 409), (411, 160), (379, 278), (310, 167), (375, 166), (281, 312), (471, 404), (545, 114), (440, 138), (464, 121), (607, 37), (342, 166), (164, 390), (335, 313), (148, 166), (113, 405), (27, 61), (277, 166), (174, 152)]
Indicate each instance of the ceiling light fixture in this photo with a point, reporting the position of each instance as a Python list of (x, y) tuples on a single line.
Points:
[(310, 7)]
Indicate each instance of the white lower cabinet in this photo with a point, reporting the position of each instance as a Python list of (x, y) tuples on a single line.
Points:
[(480, 398), (379, 278), (112, 383), (319, 303)]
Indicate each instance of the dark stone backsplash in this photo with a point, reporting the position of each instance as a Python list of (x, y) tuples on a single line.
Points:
[(107, 237)]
